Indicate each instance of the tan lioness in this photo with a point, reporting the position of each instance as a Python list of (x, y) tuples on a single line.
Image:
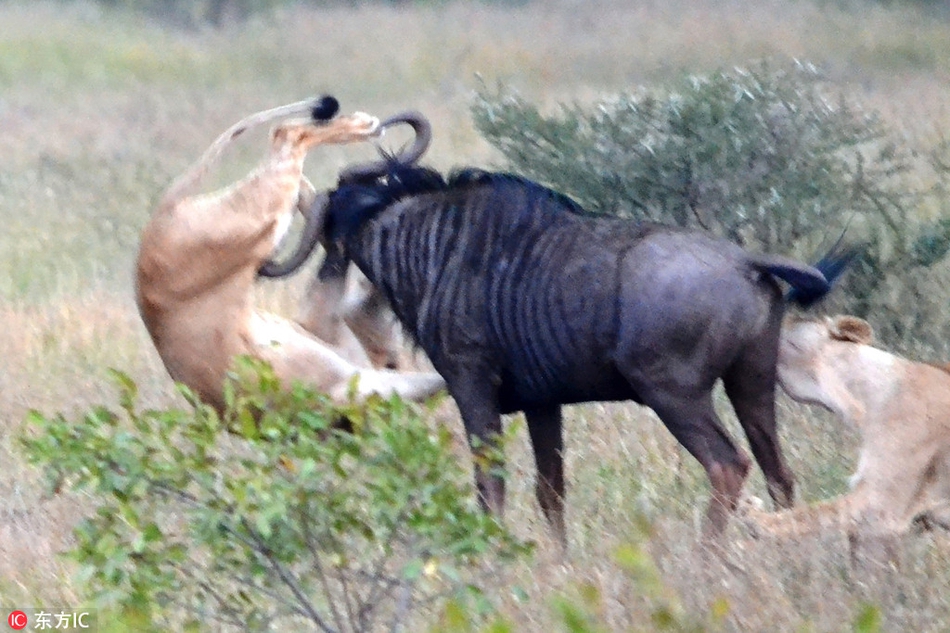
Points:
[(900, 407), (199, 256), (343, 309)]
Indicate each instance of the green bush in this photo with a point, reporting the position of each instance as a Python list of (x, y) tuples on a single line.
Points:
[(761, 156), (270, 516)]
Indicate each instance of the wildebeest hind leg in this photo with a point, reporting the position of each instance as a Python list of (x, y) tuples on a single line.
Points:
[(751, 390), (545, 429), (693, 421)]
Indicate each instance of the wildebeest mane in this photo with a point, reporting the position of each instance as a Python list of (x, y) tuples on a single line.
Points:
[(355, 203), (475, 176)]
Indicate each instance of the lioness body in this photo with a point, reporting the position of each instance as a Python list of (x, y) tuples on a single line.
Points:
[(198, 262), (901, 409)]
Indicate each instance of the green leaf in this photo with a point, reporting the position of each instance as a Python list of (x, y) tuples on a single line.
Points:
[(868, 619)]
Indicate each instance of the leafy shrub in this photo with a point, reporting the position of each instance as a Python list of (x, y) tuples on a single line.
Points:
[(270, 515), (761, 156)]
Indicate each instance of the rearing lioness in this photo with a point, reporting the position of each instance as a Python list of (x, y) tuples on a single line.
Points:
[(900, 407), (199, 257)]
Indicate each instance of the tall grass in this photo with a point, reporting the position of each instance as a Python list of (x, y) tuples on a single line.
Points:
[(99, 112)]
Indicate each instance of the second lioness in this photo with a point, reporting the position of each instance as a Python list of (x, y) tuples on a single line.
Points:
[(901, 409)]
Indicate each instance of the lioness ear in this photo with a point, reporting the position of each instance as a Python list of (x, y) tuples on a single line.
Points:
[(852, 329)]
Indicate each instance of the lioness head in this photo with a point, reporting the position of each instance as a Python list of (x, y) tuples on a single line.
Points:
[(805, 347)]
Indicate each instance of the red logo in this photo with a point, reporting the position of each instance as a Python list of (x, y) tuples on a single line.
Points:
[(17, 620)]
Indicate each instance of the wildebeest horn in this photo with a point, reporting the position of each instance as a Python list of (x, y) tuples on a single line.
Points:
[(314, 218), (312, 231), (420, 125)]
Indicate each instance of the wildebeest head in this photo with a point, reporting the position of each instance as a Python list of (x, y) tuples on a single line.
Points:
[(314, 218)]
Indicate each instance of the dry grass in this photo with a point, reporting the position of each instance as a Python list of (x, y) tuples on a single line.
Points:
[(99, 113)]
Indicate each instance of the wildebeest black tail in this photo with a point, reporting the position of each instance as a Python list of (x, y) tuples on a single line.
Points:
[(809, 284)]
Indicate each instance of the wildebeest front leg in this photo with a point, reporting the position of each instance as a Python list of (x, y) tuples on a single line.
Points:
[(476, 401), (545, 428)]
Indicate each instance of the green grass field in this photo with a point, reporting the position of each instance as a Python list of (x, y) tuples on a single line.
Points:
[(99, 112)]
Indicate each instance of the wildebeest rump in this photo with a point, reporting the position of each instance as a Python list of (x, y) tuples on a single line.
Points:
[(523, 302)]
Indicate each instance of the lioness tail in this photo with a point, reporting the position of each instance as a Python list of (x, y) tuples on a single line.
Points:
[(184, 184)]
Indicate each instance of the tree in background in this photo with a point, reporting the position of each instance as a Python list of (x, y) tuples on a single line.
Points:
[(761, 156), (217, 13), (195, 12)]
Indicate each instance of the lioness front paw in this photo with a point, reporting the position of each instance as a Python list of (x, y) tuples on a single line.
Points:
[(367, 124)]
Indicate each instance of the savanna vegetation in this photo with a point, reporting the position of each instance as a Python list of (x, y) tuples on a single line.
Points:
[(764, 156), (99, 110)]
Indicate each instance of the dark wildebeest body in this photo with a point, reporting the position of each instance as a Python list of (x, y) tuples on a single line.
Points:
[(523, 303)]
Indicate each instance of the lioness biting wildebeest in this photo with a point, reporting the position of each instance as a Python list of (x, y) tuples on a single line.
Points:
[(901, 409), (200, 255)]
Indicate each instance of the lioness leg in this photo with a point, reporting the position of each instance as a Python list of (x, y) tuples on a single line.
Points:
[(368, 316), (836, 514), (321, 310), (352, 316), (296, 355), (863, 510)]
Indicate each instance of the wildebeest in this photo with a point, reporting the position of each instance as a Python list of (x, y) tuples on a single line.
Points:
[(524, 302)]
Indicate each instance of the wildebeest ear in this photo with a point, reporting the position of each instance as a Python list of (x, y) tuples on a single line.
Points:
[(852, 329)]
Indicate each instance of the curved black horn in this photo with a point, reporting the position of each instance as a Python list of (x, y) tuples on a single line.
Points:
[(313, 227), (419, 124), (312, 232)]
